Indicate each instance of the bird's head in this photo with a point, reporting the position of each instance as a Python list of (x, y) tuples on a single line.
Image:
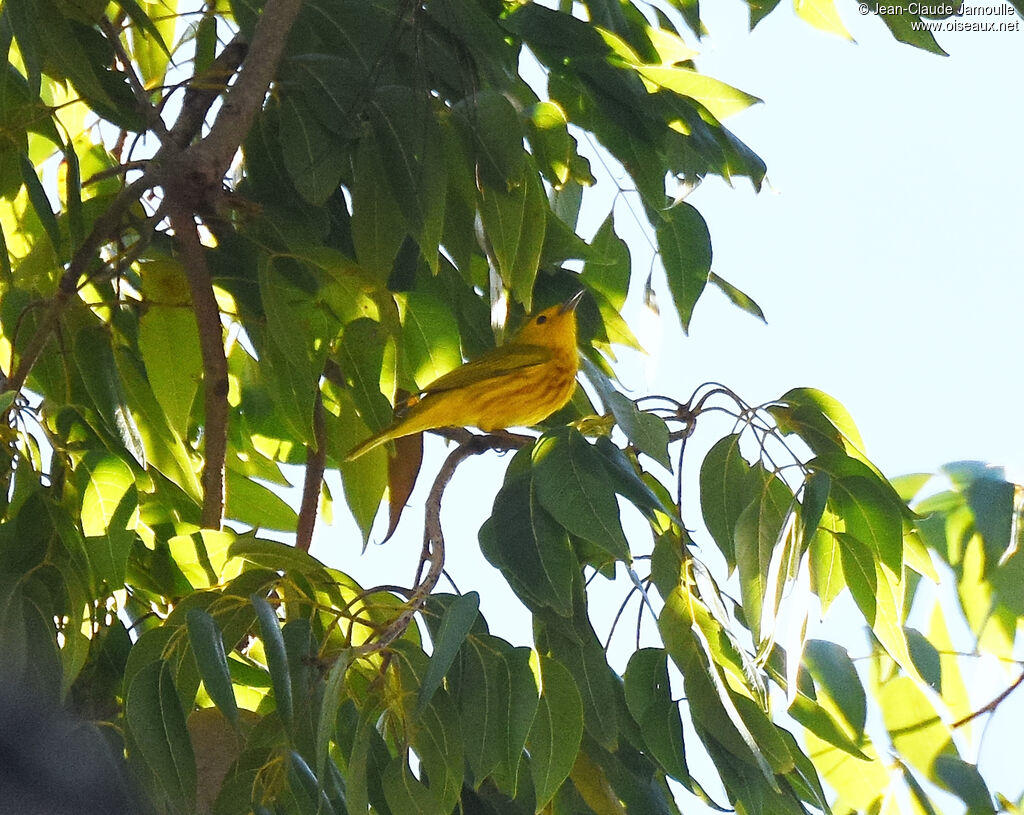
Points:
[(553, 327)]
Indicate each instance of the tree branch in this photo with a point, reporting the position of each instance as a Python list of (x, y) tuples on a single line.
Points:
[(209, 159), (316, 463), (990, 706), (215, 364), (203, 91), (433, 539)]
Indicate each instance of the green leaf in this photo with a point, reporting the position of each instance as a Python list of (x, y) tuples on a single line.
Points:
[(406, 794), (869, 517), (491, 128), (378, 228), (208, 647), (66, 55), (430, 337), (608, 270), (41, 204), (720, 99), (109, 504), (410, 143), (529, 547), (515, 221), (436, 734), (456, 623), (712, 706), (685, 246), (277, 658), (725, 491), (157, 724), (313, 156), (201, 555), (580, 652), (362, 356), (256, 505), (822, 15), (992, 502), (633, 484), (646, 431), (571, 485), (169, 342), (334, 693), (95, 360), (649, 699), (834, 673), (759, 532), (918, 733), (966, 782), (364, 479), (737, 297), (556, 732), (906, 27)]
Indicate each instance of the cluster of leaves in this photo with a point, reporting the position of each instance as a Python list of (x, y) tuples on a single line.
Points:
[(400, 172)]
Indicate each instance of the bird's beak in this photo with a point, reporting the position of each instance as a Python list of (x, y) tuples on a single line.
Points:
[(572, 302)]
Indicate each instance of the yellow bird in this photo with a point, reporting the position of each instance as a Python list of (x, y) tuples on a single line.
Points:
[(516, 384)]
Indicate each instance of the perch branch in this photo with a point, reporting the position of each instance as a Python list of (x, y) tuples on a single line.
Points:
[(433, 535)]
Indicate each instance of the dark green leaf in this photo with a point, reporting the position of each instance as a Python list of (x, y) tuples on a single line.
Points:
[(208, 647), (966, 782), (646, 431), (685, 246), (157, 724), (406, 794), (378, 228), (361, 356), (277, 658), (334, 692), (725, 491), (515, 221), (834, 673), (313, 156), (649, 699), (572, 486), (608, 271), (457, 621), (557, 730), (529, 547)]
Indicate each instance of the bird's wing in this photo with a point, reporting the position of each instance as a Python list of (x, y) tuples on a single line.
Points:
[(503, 360)]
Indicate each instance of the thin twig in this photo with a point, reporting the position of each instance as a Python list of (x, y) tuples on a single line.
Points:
[(991, 705), (215, 364), (146, 107), (316, 463)]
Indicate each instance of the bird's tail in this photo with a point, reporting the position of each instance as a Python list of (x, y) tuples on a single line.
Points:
[(376, 440)]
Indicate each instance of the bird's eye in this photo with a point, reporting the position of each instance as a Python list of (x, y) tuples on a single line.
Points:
[(542, 319)]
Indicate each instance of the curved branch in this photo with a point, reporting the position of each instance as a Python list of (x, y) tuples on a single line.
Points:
[(215, 363), (433, 536)]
